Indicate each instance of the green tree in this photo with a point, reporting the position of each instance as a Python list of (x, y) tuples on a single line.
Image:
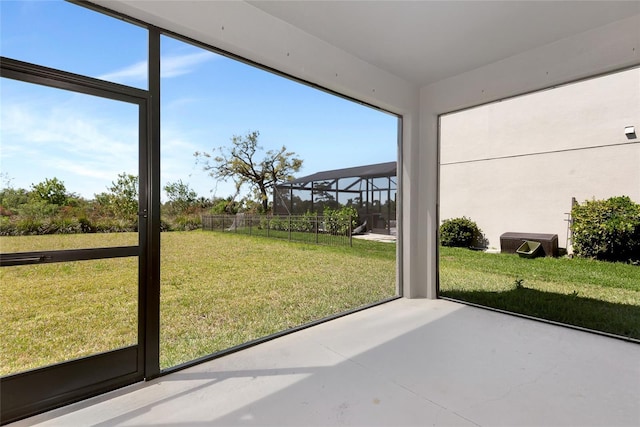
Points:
[(51, 191), (203, 202), (225, 206), (13, 198), (122, 198), (181, 196), (241, 164)]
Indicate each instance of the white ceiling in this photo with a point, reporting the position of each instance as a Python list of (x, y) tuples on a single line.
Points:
[(421, 42), (426, 41)]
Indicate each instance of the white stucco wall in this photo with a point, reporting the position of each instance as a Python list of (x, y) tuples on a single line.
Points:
[(515, 165), (601, 50)]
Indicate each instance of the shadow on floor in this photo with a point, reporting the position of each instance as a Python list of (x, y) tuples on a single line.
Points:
[(571, 309)]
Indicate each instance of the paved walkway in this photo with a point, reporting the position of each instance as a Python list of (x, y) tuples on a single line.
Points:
[(390, 238)]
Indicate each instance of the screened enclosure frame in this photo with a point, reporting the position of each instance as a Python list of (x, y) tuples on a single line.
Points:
[(147, 352), (363, 187), (28, 392)]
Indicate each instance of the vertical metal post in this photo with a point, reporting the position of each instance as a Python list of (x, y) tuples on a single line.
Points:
[(312, 196), (350, 233), (367, 199), (317, 226), (150, 296), (389, 206)]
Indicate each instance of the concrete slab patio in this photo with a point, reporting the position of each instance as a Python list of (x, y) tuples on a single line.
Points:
[(404, 363), (387, 238)]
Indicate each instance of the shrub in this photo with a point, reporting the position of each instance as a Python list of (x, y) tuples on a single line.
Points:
[(86, 226), (12, 199), (459, 232), (607, 230), (226, 206), (305, 223), (7, 227), (165, 225), (38, 209), (110, 225), (29, 226), (337, 220), (63, 226), (187, 223), (277, 223)]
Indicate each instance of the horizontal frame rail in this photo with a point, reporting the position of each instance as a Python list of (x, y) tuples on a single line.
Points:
[(43, 257)]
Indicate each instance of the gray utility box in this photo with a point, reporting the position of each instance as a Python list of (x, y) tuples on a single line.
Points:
[(511, 241)]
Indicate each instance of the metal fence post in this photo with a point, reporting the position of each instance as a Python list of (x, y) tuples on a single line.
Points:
[(317, 227), (350, 233)]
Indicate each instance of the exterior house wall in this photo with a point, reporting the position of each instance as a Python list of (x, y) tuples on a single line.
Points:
[(601, 50), (515, 165)]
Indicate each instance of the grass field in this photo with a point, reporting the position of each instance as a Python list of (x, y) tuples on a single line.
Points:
[(223, 289), (217, 290), (236, 288), (597, 295)]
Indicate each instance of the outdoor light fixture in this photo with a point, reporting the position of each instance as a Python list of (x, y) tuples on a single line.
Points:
[(630, 131)]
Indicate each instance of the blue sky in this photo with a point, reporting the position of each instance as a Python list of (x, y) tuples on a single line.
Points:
[(206, 99)]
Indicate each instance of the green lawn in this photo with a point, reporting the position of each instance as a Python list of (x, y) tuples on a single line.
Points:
[(592, 294), (223, 289), (217, 290), (235, 288)]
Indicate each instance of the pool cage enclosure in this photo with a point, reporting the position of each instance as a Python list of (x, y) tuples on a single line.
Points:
[(371, 189)]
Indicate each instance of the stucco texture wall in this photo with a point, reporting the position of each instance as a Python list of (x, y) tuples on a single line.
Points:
[(515, 165)]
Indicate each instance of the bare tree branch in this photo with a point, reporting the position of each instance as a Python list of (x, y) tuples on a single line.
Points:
[(239, 163)]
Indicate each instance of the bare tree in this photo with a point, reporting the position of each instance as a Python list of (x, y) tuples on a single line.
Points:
[(239, 162)]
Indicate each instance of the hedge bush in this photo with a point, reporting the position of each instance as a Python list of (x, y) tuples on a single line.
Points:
[(340, 221), (305, 223), (459, 232), (607, 230), (31, 226), (186, 223)]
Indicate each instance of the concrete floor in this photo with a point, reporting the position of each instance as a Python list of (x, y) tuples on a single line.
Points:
[(408, 362)]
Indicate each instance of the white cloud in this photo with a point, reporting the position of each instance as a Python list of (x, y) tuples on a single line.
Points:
[(177, 143), (135, 72), (180, 103), (86, 152), (87, 146), (88, 170), (171, 66)]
